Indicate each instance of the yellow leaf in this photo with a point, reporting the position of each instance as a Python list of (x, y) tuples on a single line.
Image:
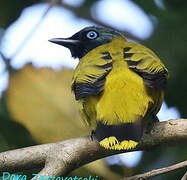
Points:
[(41, 99)]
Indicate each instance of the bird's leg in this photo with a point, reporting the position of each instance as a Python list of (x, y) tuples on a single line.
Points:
[(92, 135), (150, 124)]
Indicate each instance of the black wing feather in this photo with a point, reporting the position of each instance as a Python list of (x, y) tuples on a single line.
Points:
[(93, 84), (150, 78), (158, 80), (84, 89)]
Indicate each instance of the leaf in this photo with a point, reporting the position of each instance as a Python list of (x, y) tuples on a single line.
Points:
[(13, 135), (10, 10), (148, 6), (41, 99)]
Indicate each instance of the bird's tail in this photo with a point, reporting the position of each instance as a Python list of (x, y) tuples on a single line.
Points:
[(119, 137)]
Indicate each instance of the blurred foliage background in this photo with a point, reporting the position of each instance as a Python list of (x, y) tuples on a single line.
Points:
[(37, 105)]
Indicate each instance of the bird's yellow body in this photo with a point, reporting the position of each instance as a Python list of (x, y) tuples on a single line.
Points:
[(118, 85), (125, 97)]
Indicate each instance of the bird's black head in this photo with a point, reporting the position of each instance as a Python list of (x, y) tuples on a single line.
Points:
[(85, 40)]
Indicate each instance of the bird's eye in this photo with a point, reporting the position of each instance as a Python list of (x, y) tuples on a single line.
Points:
[(91, 35)]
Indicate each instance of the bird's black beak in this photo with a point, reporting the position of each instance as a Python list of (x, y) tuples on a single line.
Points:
[(66, 42), (75, 46)]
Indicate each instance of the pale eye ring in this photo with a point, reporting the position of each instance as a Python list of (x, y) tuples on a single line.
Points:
[(91, 35)]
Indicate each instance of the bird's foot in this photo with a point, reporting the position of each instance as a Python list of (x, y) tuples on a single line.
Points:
[(127, 145), (113, 144)]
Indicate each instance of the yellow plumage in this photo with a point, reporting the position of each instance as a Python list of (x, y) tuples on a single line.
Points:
[(125, 97), (118, 86)]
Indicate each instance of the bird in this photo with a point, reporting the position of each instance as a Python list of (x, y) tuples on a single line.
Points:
[(119, 85)]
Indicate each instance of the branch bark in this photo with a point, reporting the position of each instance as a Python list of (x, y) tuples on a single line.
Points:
[(58, 159), (157, 172), (185, 176)]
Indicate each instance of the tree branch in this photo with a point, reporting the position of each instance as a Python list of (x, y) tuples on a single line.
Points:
[(185, 176), (6, 61), (157, 172), (58, 159)]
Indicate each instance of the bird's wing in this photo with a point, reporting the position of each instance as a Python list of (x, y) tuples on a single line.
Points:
[(146, 64), (89, 76)]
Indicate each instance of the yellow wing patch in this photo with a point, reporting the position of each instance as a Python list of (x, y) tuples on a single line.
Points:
[(89, 77), (145, 63)]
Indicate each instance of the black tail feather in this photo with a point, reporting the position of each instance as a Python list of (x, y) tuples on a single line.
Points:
[(126, 131)]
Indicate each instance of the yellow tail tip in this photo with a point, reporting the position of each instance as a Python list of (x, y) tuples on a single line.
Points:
[(113, 144)]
